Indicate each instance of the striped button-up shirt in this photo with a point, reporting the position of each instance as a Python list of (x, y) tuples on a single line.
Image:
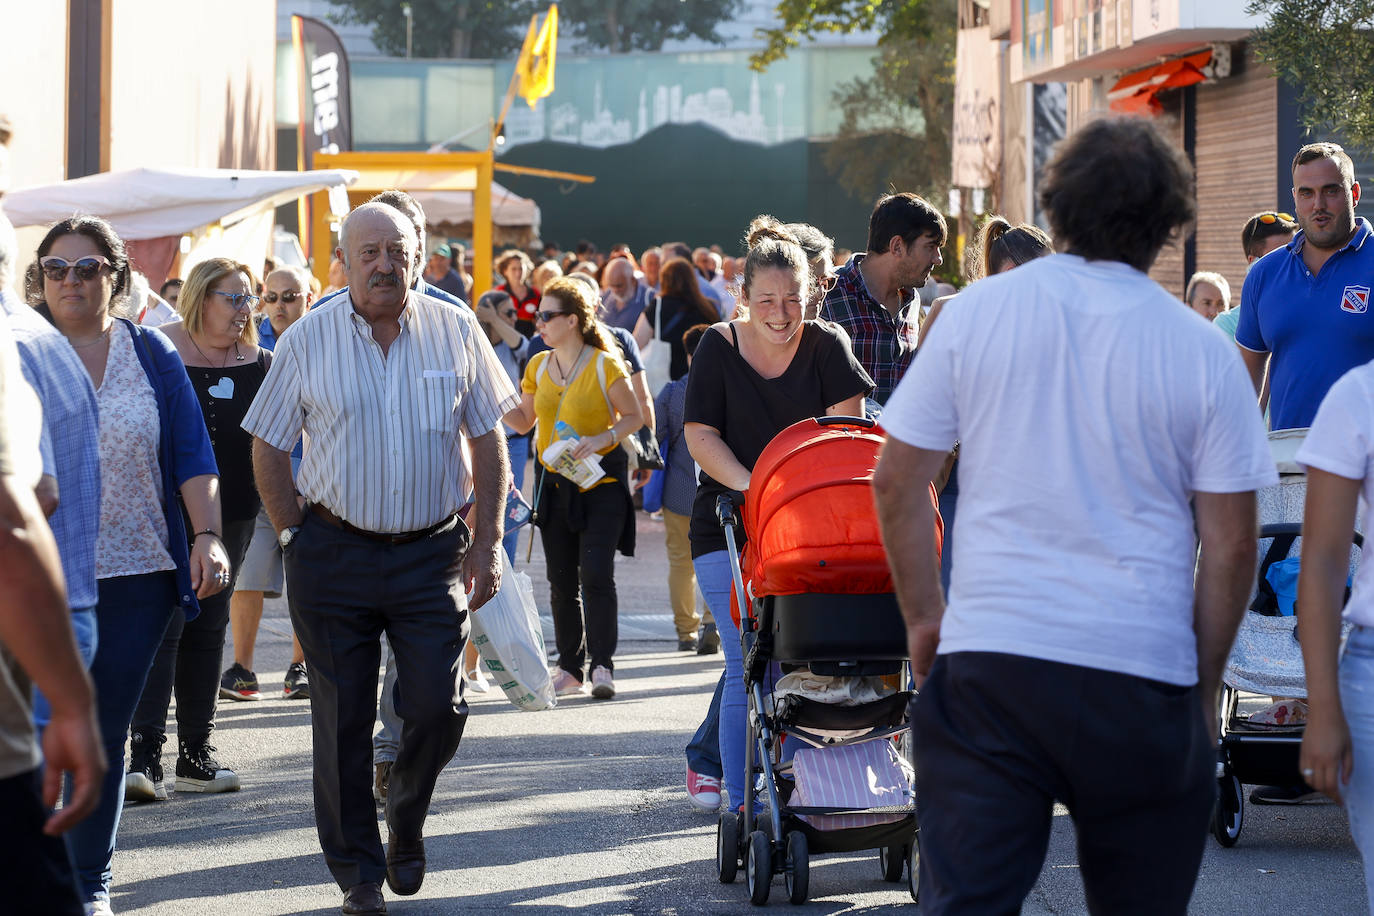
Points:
[(383, 431), (70, 442), (883, 342)]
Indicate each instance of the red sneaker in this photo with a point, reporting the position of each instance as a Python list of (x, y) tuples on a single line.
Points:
[(704, 791)]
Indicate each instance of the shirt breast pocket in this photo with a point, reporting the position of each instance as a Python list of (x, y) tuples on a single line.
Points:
[(437, 401)]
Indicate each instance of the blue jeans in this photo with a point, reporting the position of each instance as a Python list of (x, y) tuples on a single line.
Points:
[(519, 448), (131, 615), (703, 751), (714, 579), (83, 626), (1357, 699)]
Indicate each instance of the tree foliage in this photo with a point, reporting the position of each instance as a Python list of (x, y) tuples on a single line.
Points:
[(1323, 48), (914, 74), (644, 25), (495, 28)]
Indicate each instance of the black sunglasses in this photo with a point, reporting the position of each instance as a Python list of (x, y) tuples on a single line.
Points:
[(55, 268), (289, 296), (547, 316)]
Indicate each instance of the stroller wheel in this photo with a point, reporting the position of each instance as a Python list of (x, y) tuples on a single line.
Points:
[(892, 860), (1228, 814), (913, 871), (727, 847), (758, 868), (798, 874)]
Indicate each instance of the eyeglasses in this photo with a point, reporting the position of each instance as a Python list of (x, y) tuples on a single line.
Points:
[(289, 296), (239, 301), (547, 316), (55, 269), (827, 283), (1270, 218)]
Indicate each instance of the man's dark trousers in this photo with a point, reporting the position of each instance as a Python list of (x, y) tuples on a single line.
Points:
[(997, 739), (37, 871), (344, 590)]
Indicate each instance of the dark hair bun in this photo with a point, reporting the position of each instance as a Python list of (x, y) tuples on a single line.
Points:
[(994, 229)]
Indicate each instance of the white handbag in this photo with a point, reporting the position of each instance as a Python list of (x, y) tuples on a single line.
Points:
[(510, 642), (658, 355)]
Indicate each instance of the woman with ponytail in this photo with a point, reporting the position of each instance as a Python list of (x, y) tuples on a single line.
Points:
[(579, 389), (751, 378)]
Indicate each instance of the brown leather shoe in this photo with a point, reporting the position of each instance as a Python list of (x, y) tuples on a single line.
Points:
[(363, 900), (405, 863), (381, 781)]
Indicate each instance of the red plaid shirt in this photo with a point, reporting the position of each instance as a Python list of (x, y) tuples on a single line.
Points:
[(884, 343)]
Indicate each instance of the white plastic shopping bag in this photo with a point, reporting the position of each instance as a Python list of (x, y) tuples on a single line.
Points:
[(510, 642)]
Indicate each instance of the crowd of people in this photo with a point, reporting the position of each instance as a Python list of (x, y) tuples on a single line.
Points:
[(247, 434)]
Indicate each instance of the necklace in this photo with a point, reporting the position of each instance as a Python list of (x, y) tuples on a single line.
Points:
[(224, 362), (559, 365), (90, 343)]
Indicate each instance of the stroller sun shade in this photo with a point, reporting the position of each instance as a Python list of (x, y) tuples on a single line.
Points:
[(809, 513)]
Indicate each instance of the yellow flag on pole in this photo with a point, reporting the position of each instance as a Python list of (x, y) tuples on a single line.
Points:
[(536, 63)]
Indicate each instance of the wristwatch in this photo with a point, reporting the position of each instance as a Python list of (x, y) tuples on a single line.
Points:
[(287, 535)]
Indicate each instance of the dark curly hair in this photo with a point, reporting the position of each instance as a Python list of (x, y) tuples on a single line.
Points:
[(98, 231), (1118, 191)]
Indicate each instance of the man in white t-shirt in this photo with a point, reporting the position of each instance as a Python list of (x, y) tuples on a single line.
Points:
[(1079, 657)]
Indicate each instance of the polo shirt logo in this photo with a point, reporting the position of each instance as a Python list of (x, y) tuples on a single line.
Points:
[(1355, 299)]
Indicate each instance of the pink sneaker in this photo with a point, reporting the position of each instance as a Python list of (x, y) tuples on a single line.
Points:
[(603, 687), (564, 684), (704, 791)]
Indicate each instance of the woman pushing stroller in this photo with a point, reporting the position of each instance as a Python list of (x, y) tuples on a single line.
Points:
[(751, 378)]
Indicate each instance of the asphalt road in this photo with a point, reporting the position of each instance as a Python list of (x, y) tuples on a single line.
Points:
[(583, 808)]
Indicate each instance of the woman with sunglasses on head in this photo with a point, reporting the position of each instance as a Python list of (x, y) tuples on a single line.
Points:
[(683, 305), (217, 342), (820, 255), (153, 447), (579, 388), (497, 316)]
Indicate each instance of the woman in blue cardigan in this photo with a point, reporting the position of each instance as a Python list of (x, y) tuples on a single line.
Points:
[(153, 448)]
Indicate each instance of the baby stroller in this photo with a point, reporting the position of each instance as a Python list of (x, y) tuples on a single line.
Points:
[(818, 604), (1267, 657)]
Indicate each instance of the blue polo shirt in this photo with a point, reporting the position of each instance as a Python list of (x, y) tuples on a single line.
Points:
[(1316, 328)]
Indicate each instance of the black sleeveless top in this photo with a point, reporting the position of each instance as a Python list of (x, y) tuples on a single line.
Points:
[(225, 395)]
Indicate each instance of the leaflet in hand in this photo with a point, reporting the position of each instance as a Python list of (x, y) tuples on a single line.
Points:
[(582, 471)]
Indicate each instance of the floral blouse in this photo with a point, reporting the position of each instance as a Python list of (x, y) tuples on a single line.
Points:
[(133, 526)]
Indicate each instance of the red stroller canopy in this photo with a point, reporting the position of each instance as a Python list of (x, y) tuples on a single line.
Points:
[(809, 513)]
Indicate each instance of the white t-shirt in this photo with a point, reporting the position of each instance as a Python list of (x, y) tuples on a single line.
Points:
[(1341, 442), (1090, 405)]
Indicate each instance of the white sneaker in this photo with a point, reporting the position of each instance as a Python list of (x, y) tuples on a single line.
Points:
[(98, 908), (603, 687), (477, 682), (564, 684)]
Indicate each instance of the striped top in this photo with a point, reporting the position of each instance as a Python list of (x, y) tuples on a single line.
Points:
[(383, 432)]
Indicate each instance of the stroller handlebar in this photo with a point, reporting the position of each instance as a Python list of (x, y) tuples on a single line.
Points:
[(847, 421), (726, 503)]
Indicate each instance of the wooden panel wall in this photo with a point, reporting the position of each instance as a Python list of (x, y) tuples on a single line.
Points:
[(1236, 159)]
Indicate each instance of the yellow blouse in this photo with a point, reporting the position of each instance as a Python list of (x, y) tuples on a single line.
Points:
[(585, 407)]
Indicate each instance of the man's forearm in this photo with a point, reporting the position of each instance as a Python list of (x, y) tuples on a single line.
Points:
[(908, 524), (491, 482), (272, 472), (35, 622), (1224, 577)]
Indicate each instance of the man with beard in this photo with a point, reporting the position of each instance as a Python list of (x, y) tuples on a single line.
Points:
[(873, 295), (1305, 309), (624, 298), (386, 383)]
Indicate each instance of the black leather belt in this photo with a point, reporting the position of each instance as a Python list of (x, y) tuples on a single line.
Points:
[(405, 537)]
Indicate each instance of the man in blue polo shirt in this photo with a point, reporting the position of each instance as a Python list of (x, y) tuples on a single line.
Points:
[(1305, 308)]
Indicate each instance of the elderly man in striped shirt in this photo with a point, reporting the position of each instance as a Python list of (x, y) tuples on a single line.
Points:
[(385, 383)]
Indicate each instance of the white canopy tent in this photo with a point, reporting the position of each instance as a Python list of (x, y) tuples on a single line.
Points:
[(163, 213), (509, 211), (156, 203)]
